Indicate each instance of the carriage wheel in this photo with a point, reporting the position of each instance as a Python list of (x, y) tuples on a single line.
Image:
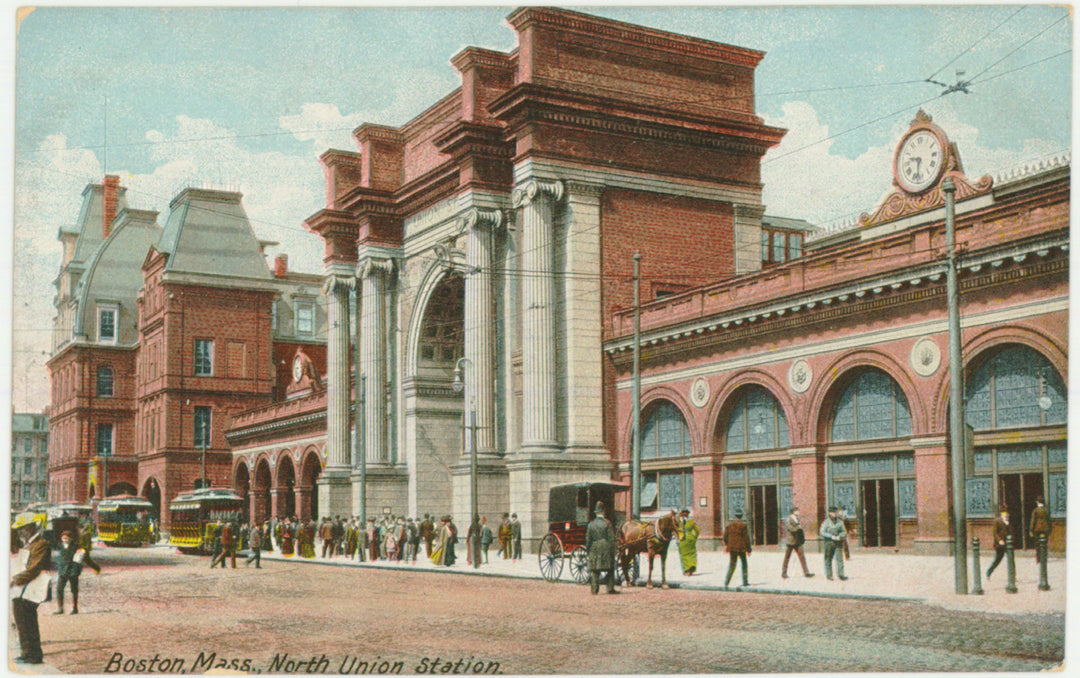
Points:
[(579, 565), (634, 573), (551, 557)]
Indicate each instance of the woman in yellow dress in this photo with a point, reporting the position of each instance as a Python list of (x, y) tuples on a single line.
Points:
[(688, 536), (438, 549)]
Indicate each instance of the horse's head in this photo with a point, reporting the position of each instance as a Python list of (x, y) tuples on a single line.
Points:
[(669, 525)]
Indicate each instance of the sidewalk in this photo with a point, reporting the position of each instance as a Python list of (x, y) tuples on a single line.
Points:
[(871, 575)]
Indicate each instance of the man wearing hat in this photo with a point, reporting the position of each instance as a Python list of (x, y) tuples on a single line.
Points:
[(1001, 531), (737, 543), (24, 606), (600, 545), (1040, 524), (68, 569), (796, 537), (834, 533)]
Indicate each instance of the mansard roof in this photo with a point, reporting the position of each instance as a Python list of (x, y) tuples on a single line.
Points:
[(114, 274), (89, 225), (208, 235)]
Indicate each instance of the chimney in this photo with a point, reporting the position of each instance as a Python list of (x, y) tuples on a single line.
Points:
[(108, 211), (281, 265)]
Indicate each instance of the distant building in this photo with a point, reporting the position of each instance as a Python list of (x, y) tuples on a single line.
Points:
[(29, 458), (161, 336)]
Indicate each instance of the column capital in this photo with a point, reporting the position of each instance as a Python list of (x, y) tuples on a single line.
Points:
[(528, 191), (476, 217), (370, 267), (336, 282)]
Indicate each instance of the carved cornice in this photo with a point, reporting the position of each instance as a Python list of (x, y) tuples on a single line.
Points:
[(899, 204), (331, 223), (527, 192)]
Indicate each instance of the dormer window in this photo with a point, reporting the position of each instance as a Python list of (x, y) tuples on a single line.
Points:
[(305, 318), (107, 320)]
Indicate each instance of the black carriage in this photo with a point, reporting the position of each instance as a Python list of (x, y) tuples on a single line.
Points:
[(570, 508)]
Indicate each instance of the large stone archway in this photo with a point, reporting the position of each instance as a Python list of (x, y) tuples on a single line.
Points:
[(284, 488), (242, 486), (262, 509)]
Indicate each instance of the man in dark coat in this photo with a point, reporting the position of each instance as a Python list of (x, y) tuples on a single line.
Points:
[(515, 536), (1001, 531), (68, 569), (255, 540), (38, 560), (737, 542), (600, 545), (1040, 524), (795, 540), (427, 532)]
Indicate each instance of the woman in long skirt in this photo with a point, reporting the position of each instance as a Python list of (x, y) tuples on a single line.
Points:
[(688, 543)]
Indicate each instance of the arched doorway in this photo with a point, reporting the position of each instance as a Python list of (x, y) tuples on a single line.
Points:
[(241, 486), (121, 488), (286, 487), (152, 493), (262, 490), (310, 469)]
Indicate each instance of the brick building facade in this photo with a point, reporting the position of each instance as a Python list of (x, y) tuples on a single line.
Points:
[(162, 336), (824, 381)]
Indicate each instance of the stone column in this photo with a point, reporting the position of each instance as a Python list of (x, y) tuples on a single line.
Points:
[(537, 200), (808, 486), (336, 289), (479, 374), (373, 274)]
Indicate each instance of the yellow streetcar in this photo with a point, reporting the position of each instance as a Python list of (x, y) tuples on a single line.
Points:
[(191, 512), (124, 520)]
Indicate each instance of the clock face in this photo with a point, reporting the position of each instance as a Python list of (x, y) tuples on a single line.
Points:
[(297, 369), (920, 161)]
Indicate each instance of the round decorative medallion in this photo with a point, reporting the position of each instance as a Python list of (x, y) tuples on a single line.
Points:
[(799, 376), (699, 392), (925, 357)]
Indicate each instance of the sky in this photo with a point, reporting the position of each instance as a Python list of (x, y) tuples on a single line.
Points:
[(247, 98)]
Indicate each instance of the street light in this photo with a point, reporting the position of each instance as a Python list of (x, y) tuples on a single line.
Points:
[(474, 530)]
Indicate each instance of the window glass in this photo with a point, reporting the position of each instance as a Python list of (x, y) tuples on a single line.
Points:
[(104, 381), (779, 247), (204, 357), (1011, 389), (871, 407), (764, 245), (202, 427), (104, 439), (106, 324), (664, 433), (795, 245), (305, 319)]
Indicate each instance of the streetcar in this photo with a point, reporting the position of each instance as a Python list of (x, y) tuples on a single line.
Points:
[(191, 512), (55, 519), (124, 520)]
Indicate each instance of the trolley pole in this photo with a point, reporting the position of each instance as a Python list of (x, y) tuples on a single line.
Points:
[(635, 460), (957, 443)]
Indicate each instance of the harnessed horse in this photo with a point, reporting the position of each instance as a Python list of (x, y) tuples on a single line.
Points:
[(637, 536)]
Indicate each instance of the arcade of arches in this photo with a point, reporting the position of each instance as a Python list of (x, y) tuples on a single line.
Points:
[(864, 450)]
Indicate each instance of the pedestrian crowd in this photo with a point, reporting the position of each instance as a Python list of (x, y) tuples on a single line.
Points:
[(392, 538)]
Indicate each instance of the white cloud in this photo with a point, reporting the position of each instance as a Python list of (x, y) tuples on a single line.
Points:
[(804, 179), (324, 125)]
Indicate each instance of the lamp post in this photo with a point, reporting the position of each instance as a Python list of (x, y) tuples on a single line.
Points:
[(474, 519), (957, 443)]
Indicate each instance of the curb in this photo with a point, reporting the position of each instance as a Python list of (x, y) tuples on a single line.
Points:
[(690, 587)]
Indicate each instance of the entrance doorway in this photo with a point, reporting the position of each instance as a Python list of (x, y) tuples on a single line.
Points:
[(879, 513), (764, 515), (1018, 492)]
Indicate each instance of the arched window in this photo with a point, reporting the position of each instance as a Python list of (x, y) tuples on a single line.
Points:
[(665, 433), (1016, 387), (104, 381), (757, 422), (871, 408), (442, 337)]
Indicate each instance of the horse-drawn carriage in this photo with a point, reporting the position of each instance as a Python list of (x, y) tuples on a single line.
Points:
[(570, 508)]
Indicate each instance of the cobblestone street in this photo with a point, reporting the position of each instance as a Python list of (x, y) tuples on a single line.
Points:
[(285, 617)]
